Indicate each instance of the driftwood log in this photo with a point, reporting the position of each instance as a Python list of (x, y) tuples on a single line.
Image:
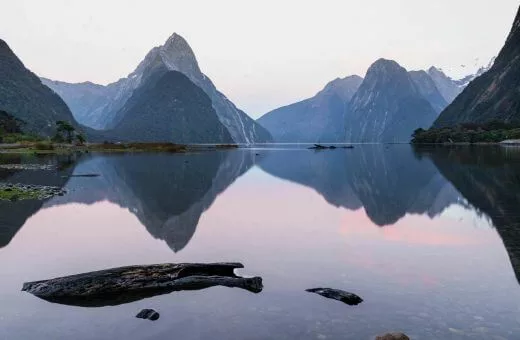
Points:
[(126, 284)]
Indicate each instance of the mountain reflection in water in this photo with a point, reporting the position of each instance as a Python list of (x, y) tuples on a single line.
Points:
[(169, 192), (426, 236)]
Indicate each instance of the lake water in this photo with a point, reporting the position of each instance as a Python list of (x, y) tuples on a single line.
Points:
[(430, 239)]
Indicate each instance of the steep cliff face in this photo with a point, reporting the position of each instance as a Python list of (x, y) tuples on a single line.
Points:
[(317, 119), (23, 96), (168, 107), (495, 95), (388, 106)]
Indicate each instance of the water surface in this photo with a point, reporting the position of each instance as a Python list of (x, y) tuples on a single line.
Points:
[(428, 238)]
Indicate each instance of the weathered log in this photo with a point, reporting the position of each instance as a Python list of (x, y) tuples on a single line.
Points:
[(126, 284), (337, 294)]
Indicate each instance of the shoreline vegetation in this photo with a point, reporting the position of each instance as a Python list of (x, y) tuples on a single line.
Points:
[(493, 132), (47, 147)]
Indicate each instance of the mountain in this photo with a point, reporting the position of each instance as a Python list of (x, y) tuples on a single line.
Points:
[(85, 100), (495, 95), (429, 90), (105, 108), (9, 124), (168, 107), (23, 96), (388, 106), (317, 119), (448, 87)]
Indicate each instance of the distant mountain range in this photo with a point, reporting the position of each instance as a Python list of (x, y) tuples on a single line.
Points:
[(105, 107), (167, 98), (386, 106), (494, 95), (319, 118)]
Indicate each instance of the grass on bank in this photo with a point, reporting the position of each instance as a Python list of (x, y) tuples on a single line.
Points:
[(16, 194)]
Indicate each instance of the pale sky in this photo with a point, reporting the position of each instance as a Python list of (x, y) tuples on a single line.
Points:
[(261, 53)]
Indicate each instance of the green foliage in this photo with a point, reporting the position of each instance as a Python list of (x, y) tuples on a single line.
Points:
[(491, 132), (66, 133), (80, 139), (65, 130), (15, 194)]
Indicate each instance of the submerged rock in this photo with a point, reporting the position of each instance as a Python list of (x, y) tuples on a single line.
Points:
[(337, 294), (126, 284), (149, 314), (393, 336)]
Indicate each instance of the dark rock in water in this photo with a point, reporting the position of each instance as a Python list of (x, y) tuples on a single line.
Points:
[(149, 314), (86, 175), (336, 294), (393, 336), (321, 147), (126, 284), (330, 147)]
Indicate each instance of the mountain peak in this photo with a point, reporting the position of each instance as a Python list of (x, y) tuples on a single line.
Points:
[(177, 42), (386, 65), (437, 71), (384, 72), (177, 55)]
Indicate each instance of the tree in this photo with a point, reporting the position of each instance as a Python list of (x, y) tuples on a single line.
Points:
[(64, 132), (80, 139)]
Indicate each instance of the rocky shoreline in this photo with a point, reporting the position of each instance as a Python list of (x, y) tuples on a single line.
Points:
[(18, 191), (27, 167)]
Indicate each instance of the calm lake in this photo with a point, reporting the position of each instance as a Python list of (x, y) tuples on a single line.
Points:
[(429, 238)]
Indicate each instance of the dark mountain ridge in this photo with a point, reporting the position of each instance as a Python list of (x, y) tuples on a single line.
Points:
[(23, 96), (495, 95)]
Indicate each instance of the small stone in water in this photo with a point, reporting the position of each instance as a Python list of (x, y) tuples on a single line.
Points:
[(149, 314)]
